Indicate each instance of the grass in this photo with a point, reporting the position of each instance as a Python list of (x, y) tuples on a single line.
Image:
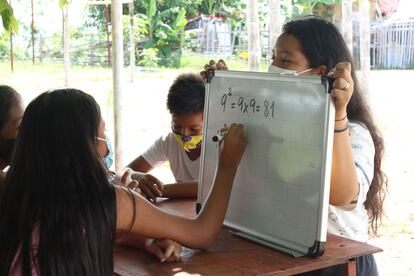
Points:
[(195, 62), (41, 77)]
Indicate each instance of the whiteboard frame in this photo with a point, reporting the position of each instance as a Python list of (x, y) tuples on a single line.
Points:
[(320, 236)]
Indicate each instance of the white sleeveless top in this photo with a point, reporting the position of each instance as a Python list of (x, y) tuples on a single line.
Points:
[(351, 221)]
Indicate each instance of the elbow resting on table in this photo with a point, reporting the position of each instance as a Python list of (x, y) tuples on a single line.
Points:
[(206, 240), (205, 243), (204, 237)]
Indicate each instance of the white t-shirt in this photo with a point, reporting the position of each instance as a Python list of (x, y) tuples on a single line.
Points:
[(167, 149), (351, 221)]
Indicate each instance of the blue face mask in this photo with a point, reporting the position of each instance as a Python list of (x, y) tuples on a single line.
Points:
[(108, 160)]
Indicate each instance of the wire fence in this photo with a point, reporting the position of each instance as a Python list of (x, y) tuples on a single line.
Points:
[(392, 44)]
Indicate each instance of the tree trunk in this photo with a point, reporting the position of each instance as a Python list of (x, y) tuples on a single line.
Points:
[(108, 45), (11, 52), (11, 48), (365, 39), (40, 48), (117, 66), (275, 24), (253, 35), (346, 23), (33, 37), (131, 40), (66, 57)]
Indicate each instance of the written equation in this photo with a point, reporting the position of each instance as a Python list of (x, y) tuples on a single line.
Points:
[(247, 105)]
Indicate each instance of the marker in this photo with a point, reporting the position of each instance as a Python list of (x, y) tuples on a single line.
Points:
[(219, 136)]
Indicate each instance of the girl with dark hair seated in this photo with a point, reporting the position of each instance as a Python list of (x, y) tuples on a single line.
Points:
[(61, 216)]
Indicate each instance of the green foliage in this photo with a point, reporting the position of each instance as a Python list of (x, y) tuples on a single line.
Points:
[(190, 6), (213, 7), (158, 24), (303, 7), (151, 8), (96, 17), (21, 42), (165, 32), (149, 58), (9, 21), (210, 6), (4, 45), (63, 3), (140, 32)]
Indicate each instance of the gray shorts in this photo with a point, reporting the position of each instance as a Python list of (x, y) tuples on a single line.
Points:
[(365, 266)]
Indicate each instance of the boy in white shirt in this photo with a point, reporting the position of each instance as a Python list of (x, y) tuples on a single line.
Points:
[(181, 147)]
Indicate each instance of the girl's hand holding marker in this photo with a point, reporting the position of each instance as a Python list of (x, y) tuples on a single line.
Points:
[(220, 135)]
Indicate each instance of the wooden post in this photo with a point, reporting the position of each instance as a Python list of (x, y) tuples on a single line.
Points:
[(40, 48), (91, 54), (365, 39), (253, 34), (346, 23), (33, 37), (66, 58), (131, 40), (117, 66), (108, 46), (11, 52), (275, 24), (11, 47)]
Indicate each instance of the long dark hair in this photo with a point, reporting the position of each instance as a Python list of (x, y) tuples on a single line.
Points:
[(8, 99), (322, 44), (57, 184)]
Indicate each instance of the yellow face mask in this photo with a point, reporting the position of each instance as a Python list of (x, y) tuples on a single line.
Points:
[(188, 142)]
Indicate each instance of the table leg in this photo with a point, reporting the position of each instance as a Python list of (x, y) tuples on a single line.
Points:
[(350, 267)]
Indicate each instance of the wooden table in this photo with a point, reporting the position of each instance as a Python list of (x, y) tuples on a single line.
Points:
[(231, 255)]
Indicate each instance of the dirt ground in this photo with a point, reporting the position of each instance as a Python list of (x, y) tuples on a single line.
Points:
[(391, 94)]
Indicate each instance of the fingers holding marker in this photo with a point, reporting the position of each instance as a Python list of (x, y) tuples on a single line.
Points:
[(234, 145), (220, 135)]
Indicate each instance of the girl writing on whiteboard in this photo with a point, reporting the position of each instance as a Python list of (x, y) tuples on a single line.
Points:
[(61, 216), (314, 46)]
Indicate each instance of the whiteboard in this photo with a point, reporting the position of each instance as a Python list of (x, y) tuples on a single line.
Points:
[(280, 193)]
